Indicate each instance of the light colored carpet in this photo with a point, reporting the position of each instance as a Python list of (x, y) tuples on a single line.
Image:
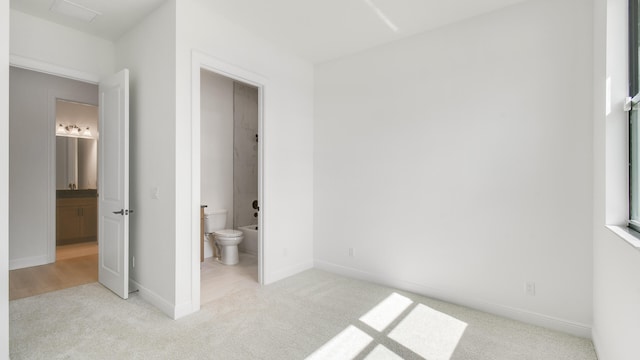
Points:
[(314, 314)]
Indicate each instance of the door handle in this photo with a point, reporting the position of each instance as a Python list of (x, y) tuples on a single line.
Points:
[(121, 212)]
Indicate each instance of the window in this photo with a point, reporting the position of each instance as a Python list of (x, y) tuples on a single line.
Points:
[(634, 126)]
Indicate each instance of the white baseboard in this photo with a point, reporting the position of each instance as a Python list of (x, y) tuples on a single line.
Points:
[(183, 310), (550, 322), (154, 299), (248, 252), (28, 262), (285, 273)]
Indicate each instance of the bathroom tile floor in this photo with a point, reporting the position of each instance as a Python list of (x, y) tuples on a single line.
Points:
[(218, 280)]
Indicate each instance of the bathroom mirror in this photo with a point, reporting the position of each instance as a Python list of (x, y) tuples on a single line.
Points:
[(76, 163), (76, 145)]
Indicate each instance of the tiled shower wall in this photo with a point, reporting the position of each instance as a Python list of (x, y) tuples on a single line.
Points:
[(245, 154)]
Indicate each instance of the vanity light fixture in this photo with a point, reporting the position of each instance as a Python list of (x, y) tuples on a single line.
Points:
[(74, 131)]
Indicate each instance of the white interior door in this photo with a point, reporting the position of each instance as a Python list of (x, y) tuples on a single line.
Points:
[(113, 183)]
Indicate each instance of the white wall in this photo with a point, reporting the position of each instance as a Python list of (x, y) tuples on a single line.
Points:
[(36, 39), (288, 141), (457, 163), (616, 268), (216, 143), (4, 179), (148, 51), (32, 165)]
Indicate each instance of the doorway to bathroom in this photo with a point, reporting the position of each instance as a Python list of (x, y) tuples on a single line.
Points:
[(76, 178), (228, 123), (228, 183)]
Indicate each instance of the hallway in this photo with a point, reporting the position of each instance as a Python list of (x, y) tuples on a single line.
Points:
[(76, 264)]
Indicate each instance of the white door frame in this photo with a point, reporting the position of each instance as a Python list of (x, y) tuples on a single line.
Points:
[(47, 68), (201, 61), (60, 71)]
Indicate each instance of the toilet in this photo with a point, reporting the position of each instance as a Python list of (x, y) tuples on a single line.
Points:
[(226, 239)]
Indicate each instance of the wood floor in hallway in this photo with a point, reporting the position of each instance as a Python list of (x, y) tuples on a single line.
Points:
[(75, 265)]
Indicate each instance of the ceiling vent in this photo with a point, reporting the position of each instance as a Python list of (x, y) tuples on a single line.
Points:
[(73, 10)]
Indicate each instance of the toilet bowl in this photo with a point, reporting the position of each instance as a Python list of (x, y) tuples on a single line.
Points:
[(227, 239)]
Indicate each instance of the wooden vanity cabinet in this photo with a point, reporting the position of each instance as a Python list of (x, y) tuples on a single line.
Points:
[(76, 220)]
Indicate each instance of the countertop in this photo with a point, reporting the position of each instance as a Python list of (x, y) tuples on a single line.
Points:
[(83, 193)]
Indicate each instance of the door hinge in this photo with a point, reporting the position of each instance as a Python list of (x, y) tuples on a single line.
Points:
[(631, 102)]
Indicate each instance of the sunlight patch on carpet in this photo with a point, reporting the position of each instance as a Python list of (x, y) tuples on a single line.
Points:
[(346, 345), (380, 352), (386, 311), (429, 333)]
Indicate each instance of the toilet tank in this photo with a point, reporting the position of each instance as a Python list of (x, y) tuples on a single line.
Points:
[(215, 220)]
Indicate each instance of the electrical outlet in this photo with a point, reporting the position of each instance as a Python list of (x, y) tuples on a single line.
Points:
[(352, 252), (155, 193), (530, 288)]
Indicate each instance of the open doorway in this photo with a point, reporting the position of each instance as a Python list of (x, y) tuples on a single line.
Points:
[(229, 147), (76, 179), (239, 154), (76, 190), (53, 143)]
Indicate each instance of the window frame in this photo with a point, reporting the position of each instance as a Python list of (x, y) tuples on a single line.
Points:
[(634, 122)]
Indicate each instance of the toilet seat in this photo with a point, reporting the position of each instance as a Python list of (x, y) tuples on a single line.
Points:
[(229, 233)]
